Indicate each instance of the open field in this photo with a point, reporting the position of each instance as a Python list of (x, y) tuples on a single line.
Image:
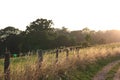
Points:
[(80, 65)]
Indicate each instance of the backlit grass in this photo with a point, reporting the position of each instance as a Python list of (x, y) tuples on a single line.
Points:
[(81, 65)]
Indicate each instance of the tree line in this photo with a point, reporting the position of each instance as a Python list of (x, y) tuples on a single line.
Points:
[(40, 34)]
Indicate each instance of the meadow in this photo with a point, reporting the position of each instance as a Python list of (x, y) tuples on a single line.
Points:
[(80, 65)]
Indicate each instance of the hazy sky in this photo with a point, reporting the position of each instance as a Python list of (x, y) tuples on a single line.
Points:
[(73, 14)]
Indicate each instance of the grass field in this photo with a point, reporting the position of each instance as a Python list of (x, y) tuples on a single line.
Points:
[(82, 65)]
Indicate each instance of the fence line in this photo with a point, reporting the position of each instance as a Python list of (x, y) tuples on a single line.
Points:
[(40, 59)]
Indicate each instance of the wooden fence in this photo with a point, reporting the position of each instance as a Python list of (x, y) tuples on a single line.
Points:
[(40, 59)]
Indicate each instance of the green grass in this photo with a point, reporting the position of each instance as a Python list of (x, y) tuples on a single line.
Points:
[(89, 71)]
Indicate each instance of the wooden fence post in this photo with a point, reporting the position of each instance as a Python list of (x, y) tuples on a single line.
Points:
[(7, 65), (57, 51), (78, 52), (67, 54), (40, 56)]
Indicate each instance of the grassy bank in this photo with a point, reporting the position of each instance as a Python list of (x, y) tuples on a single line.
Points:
[(82, 65)]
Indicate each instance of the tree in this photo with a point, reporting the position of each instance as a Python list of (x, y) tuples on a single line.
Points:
[(88, 38), (8, 31), (12, 43), (78, 36), (39, 34), (9, 39), (40, 25)]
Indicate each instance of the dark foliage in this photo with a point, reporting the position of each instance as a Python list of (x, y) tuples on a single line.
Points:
[(40, 35)]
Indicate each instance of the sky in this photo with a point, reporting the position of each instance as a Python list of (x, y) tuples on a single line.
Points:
[(73, 14)]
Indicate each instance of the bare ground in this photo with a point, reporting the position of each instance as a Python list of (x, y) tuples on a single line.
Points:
[(101, 75), (117, 75)]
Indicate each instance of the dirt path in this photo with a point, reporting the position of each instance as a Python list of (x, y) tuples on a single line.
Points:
[(101, 75), (117, 75)]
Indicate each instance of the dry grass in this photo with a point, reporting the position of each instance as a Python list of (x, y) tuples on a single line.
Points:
[(26, 68)]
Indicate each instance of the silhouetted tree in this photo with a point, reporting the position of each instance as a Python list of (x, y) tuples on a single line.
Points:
[(39, 34), (40, 25), (9, 39)]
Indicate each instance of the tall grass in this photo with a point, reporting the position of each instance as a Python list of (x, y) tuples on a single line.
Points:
[(81, 65)]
